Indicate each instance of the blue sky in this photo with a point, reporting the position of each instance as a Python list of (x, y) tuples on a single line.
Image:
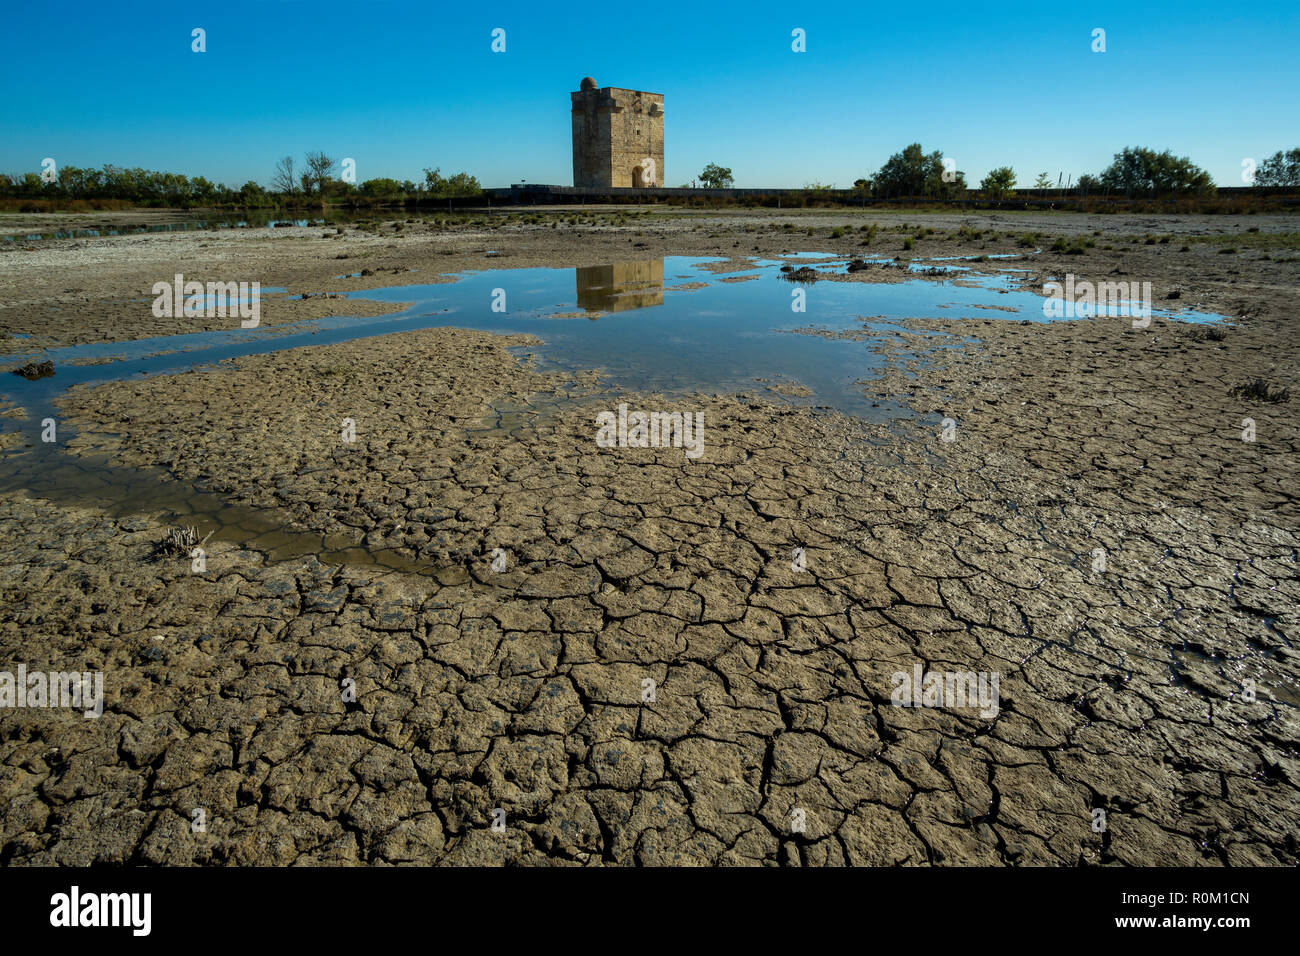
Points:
[(399, 86)]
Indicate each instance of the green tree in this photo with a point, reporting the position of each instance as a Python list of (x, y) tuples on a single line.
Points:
[(1280, 169), (913, 172), (716, 177), (252, 194), (201, 192), (381, 188), (999, 182), (461, 184), (1140, 171), (1044, 181)]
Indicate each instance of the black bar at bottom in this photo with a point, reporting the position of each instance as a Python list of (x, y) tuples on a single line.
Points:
[(372, 906)]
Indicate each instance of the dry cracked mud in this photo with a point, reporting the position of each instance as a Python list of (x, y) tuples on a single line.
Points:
[(639, 657)]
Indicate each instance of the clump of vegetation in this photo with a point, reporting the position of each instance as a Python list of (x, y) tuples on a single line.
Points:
[(717, 177), (909, 243), (1259, 390), (1071, 247), (998, 183), (1209, 333), (837, 233), (1280, 169), (913, 172), (1139, 171), (180, 542), (437, 186), (1230, 251), (34, 370)]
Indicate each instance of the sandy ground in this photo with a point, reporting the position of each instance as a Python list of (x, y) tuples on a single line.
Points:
[(642, 658)]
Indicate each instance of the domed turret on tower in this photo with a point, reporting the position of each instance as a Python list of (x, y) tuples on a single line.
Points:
[(587, 84)]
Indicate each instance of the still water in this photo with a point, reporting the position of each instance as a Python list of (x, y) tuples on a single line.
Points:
[(660, 324), (664, 324)]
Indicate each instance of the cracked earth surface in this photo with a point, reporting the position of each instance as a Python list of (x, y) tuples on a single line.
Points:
[(525, 689)]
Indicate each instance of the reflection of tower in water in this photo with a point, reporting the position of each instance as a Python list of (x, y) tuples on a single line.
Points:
[(622, 286)]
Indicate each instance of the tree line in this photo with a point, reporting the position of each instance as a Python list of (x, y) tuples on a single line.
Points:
[(143, 187), (316, 178), (321, 178), (1135, 172)]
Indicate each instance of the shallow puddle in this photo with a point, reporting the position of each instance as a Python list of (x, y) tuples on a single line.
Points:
[(697, 330)]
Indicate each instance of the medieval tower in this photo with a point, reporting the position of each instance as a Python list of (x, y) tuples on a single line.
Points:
[(618, 137)]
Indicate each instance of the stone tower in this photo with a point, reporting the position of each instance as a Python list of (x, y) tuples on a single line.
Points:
[(618, 137)]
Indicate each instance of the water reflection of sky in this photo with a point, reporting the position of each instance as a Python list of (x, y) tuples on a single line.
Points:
[(646, 333)]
